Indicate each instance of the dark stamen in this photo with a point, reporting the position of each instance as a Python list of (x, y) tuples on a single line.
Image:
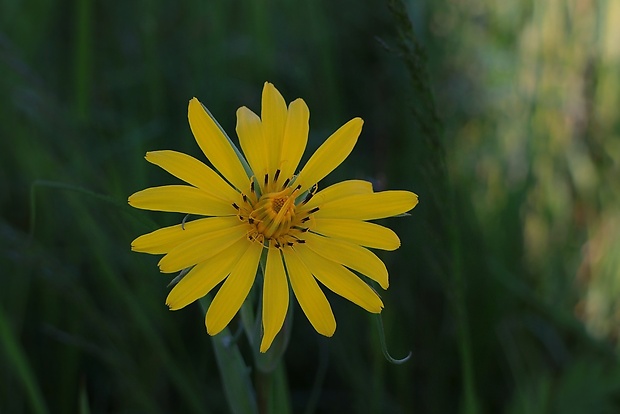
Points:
[(266, 178), (290, 244), (288, 180), (252, 186), (245, 199), (314, 210), (250, 220), (302, 241), (303, 220), (235, 206), (275, 177)]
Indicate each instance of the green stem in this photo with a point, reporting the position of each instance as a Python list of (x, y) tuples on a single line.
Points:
[(263, 390), (234, 373), (273, 396)]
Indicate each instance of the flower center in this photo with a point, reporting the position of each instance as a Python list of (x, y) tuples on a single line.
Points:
[(274, 216)]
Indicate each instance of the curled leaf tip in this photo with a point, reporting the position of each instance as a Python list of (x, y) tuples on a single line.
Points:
[(386, 353), (396, 361)]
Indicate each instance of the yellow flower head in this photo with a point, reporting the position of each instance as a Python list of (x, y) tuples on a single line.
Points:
[(260, 204)]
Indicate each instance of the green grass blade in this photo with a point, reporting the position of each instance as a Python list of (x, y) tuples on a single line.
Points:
[(16, 358)]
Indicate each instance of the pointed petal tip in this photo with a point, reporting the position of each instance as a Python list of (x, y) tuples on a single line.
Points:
[(165, 268), (211, 331), (384, 282), (172, 304), (327, 330), (415, 200), (194, 102), (356, 125), (377, 310), (329, 333), (298, 101), (269, 89), (172, 307), (150, 154), (265, 345), (299, 107)]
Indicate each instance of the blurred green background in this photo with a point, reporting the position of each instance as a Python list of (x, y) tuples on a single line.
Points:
[(505, 288)]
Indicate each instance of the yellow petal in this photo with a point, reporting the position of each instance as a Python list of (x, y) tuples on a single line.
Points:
[(273, 115), (205, 276), (233, 292), (181, 199), (340, 280), (311, 298), (351, 255), (369, 206), (165, 239), (275, 298), (201, 248), (331, 154), (194, 172), (337, 191), (215, 145), (295, 137), (251, 138), (359, 232)]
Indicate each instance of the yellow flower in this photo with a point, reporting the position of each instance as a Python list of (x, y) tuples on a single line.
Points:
[(260, 205)]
